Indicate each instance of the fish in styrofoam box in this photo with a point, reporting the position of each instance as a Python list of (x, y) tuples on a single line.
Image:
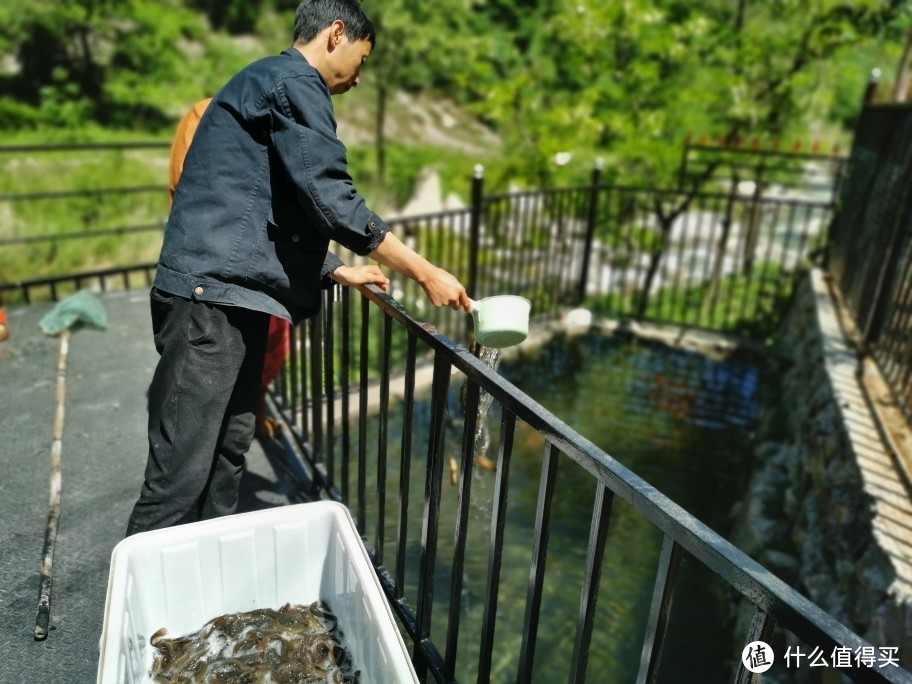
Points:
[(181, 577)]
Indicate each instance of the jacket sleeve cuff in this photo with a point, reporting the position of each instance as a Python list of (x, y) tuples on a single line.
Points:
[(330, 264)]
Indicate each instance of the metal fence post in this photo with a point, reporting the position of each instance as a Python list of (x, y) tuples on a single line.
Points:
[(871, 89), (591, 218), (475, 234)]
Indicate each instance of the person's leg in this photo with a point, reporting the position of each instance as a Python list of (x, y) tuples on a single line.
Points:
[(277, 345), (202, 353), (221, 493)]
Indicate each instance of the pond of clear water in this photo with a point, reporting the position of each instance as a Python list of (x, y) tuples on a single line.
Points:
[(679, 420)]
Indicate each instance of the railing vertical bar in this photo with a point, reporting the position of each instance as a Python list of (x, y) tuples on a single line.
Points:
[(615, 238), (294, 377), (432, 491), (524, 234), (792, 209), (362, 415), (495, 549), (553, 251), (546, 238), (511, 236), (329, 381), (891, 349), (574, 244), (589, 234), (662, 595), (383, 435), (598, 533), (304, 369), (472, 395), (630, 273), (732, 301), (346, 390), (691, 226), (498, 234), (478, 209), (659, 296), (493, 234), (459, 230), (742, 209), (884, 285), (761, 629), (718, 230), (537, 570), (444, 229), (803, 236), (765, 284), (642, 216), (316, 388), (613, 241), (548, 207), (677, 309), (405, 464)]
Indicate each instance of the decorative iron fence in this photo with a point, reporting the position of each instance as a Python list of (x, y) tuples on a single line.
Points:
[(334, 439), (719, 261), (722, 261), (799, 168), (56, 215), (870, 243)]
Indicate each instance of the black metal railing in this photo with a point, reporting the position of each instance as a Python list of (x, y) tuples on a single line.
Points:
[(57, 217), (724, 261), (54, 289), (803, 167), (870, 244), (337, 447), (719, 260)]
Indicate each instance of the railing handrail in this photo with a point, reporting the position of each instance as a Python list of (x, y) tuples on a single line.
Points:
[(80, 147), (661, 192), (757, 584)]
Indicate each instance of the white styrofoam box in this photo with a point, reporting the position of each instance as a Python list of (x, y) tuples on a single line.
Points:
[(181, 577)]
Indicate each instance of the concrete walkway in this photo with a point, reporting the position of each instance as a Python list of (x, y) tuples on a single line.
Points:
[(103, 456)]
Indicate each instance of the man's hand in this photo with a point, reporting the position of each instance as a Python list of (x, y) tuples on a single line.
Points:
[(443, 289), (360, 275)]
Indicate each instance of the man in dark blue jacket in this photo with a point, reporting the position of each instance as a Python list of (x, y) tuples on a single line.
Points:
[(264, 189)]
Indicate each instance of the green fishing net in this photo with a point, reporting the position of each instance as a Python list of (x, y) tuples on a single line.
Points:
[(81, 309)]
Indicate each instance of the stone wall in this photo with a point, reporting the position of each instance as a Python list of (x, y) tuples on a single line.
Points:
[(828, 507)]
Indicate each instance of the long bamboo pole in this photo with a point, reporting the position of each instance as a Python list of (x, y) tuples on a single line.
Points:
[(43, 617)]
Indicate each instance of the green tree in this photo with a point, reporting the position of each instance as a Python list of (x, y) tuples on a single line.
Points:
[(418, 44), (630, 80), (107, 61)]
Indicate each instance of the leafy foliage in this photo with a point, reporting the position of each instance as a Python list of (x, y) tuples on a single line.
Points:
[(561, 82), (633, 79)]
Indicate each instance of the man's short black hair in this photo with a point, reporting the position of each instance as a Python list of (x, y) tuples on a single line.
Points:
[(312, 16)]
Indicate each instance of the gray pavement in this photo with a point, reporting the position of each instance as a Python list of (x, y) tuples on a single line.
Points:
[(103, 455)]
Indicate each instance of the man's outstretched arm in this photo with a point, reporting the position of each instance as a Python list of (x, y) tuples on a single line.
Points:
[(441, 287)]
